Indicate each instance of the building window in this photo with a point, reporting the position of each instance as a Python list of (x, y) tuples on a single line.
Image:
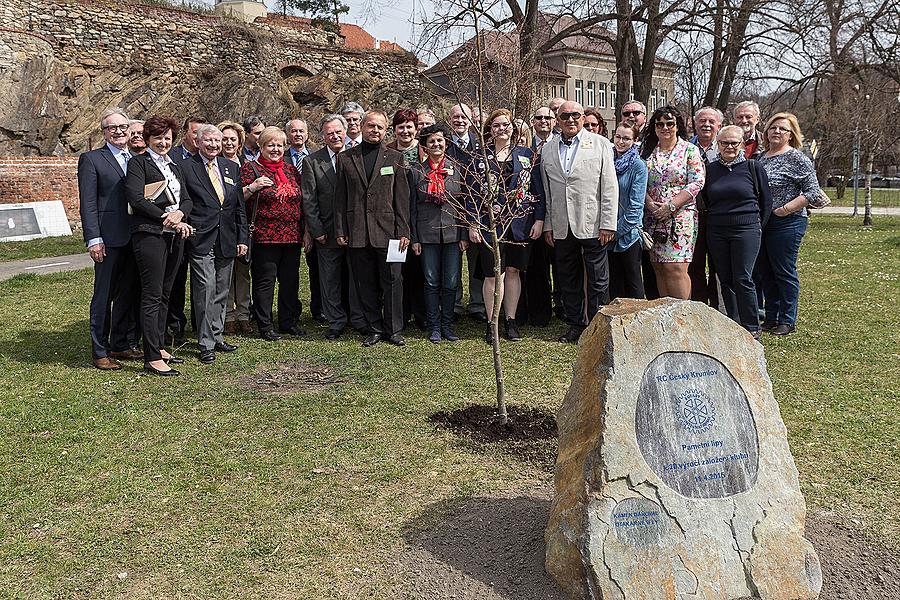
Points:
[(579, 91), (663, 98), (612, 95), (653, 101), (601, 97), (591, 93)]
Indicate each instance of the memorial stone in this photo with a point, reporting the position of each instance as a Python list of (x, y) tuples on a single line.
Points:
[(674, 478)]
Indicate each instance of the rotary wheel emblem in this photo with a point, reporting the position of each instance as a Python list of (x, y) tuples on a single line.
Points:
[(695, 411)]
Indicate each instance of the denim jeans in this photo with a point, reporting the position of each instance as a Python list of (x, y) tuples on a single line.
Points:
[(440, 265), (777, 264)]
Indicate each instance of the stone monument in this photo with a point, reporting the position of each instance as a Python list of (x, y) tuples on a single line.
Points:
[(674, 479)]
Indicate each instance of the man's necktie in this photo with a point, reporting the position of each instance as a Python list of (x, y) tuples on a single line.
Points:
[(214, 179), (125, 157)]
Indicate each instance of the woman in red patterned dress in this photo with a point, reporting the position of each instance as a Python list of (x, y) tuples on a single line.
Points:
[(274, 209)]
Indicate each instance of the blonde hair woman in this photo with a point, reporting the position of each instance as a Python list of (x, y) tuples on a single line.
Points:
[(275, 212), (792, 180)]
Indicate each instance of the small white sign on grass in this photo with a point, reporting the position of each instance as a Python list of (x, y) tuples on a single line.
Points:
[(31, 220)]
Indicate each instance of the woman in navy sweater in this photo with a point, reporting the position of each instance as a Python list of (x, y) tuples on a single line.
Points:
[(739, 202)]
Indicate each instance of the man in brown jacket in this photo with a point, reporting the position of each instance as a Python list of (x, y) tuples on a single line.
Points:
[(372, 207)]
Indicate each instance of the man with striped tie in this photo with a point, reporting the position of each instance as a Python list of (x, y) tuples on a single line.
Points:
[(298, 149), (221, 235)]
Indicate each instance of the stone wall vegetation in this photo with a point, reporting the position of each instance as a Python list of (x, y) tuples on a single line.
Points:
[(62, 62)]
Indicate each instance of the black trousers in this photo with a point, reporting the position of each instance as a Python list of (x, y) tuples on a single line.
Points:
[(116, 296), (158, 257), (271, 262), (625, 279), (177, 319), (703, 287), (574, 258), (734, 249), (413, 290), (380, 286), (315, 290), (536, 301), (651, 291)]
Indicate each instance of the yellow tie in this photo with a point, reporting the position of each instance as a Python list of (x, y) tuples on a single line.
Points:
[(214, 179)]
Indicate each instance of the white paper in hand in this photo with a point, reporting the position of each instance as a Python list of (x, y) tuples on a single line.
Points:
[(394, 254)]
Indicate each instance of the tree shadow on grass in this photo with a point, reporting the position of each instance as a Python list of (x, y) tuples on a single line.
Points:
[(69, 346), (485, 547)]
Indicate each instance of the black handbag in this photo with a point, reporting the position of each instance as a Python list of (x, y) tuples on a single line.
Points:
[(247, 256)]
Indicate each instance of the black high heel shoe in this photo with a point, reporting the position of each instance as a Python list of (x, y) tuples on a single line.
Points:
[(155, 371)]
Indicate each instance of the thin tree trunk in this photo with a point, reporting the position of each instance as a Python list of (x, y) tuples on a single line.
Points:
[(495, 331), (867, 215)]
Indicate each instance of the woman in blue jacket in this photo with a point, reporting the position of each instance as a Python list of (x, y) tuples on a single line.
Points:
[(625, 279), (511, 187)]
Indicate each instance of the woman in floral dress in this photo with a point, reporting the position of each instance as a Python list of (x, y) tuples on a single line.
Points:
[(676, 176)]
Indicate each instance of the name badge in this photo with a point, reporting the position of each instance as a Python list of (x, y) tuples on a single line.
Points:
[(387, 170), (449, 170), (526, 162), (229, 180), (587, 144)]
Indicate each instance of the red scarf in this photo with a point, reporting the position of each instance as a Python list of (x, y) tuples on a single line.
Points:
[(436, 191), (284, 187)]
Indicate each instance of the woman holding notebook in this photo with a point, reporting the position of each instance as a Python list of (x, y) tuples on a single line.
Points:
[(159, 206)]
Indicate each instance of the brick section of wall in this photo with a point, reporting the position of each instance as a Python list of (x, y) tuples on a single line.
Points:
[(40, 178)]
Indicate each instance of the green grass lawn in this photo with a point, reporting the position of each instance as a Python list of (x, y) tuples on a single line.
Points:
[(889, 197), (41, 247), (202, 488)]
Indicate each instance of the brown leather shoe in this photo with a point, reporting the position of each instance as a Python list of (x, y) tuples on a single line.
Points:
[(245, 327), (105, 363), (230, 328), (131, 354)]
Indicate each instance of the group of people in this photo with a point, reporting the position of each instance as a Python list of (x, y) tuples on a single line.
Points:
[(578, 218)]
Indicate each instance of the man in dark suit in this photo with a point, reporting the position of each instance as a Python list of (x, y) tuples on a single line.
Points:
[(107, 233), (372, 201), (218, 217), (340, 300), (464, 148), (177, 319), (298, 149)]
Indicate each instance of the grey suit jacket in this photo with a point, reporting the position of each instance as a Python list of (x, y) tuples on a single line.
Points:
[(587, 199), (318, 182), (430, 223)]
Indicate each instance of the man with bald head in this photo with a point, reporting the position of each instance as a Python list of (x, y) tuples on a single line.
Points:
[(582, 195)]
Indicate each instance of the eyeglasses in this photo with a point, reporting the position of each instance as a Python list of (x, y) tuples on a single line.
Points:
[(665, 124), (632, 113), (622, 138), (352, 119), (591, 126), (121, 128), (501, 125), (569, 116), (780, 128), (542, 118), (729, 144)]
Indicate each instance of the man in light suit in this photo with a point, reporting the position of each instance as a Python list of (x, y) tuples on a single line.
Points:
[(318, 182), (107, 234), (372, 202), (214, 185), (582, 195)]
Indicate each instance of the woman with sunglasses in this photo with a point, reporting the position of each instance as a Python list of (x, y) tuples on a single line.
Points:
[(511, 187), (792, 178), (675, 176), (738, 201), (594, 122)]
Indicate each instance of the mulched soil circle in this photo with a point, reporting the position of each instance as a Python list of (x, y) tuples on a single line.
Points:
[(480, 423), (289, 377)]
